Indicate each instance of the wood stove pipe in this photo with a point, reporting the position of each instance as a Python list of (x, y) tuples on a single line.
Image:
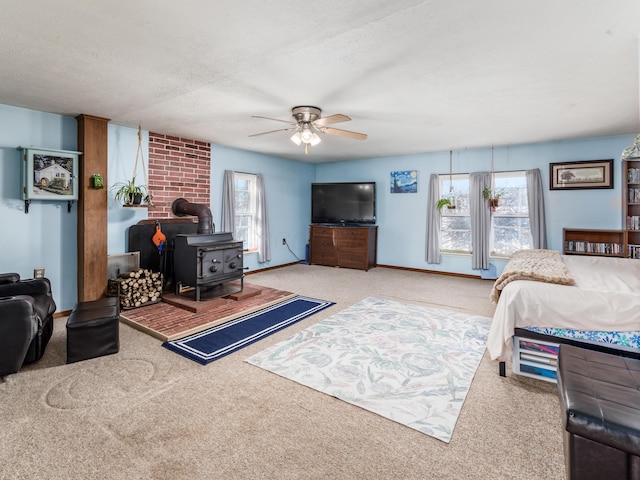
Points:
[(182, 207)]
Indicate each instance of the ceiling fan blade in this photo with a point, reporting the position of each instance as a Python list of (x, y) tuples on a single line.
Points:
[(272, 131), (337, 118), (344, 133), (274, 119)]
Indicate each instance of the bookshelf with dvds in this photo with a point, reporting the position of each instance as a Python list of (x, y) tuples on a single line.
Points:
[(604, 243), (631, 205)]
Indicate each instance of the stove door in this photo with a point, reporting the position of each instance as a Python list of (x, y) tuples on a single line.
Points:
[(233, 260), (212, 264)]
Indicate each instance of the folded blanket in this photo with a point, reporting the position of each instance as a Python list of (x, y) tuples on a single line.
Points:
[(539, 265)]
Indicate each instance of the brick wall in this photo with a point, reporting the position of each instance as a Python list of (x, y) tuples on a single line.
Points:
[(178, 168)]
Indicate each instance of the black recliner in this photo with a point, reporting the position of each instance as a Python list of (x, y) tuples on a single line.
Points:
[(26, 320)]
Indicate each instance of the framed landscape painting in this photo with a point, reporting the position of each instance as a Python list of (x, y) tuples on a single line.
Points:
[(49, 174), (581, 175)]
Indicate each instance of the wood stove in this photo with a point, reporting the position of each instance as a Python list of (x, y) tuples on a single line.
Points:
[(207, 260)]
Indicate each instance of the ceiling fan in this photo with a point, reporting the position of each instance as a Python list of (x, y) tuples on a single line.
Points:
[(308, 123)]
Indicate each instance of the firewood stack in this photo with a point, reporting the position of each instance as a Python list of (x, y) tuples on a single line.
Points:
[(136, 288)]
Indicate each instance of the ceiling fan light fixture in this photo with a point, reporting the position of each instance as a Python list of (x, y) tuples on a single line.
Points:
[(315, 139), (306, 135), (296, 138)]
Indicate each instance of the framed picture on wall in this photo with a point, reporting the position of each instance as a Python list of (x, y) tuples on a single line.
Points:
[(581, 175), (49, 174), (404, 181)]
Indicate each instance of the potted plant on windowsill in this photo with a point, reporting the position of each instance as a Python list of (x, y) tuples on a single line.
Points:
[(129, 193), (492, 198)]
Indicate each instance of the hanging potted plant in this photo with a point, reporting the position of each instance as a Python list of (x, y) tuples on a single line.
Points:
[(450, 200), (129, 193), (445, 202), (492, 198)]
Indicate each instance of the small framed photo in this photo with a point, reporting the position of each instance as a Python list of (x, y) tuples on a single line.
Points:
[(581, 175), (404, 182), (49, 174)]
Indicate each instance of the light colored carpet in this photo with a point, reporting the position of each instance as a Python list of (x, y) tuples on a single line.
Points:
[(411, 364), (147, 413)]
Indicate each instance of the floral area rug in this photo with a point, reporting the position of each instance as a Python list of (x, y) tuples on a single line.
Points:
[(411, 364)]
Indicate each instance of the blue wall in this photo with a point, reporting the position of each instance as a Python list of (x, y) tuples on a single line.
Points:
[(402, 218), (288, 190), (123, 146), (46, 237)]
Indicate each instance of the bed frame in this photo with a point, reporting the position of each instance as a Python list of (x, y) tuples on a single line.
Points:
[(535, 355)]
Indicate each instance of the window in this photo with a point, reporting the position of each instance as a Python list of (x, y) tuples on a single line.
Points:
[(245, 210), (510, 222), (455, 226)]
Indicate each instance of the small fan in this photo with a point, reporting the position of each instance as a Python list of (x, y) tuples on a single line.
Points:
[(308, 123)]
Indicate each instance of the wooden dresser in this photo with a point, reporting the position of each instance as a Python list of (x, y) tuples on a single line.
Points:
[(348, 247)]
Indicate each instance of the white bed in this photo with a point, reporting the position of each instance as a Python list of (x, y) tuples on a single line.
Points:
[(605, 297)]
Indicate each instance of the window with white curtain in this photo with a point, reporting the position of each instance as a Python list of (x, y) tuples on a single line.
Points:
[(510, 229), (509, 223), (455, 223), (245, 210)]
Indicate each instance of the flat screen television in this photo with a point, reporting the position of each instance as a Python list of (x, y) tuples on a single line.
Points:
[(343, 203)]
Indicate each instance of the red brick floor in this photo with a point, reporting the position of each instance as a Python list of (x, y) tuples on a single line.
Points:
[(168, 321)]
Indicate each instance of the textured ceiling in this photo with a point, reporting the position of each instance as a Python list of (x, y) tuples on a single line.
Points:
[(416, 76)]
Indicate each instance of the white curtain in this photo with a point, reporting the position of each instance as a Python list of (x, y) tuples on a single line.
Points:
[(228, 203), (537, 222), (433, 221), (262, 222), (480, 220)]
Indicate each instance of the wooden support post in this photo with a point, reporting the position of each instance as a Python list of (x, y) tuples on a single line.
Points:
[(92, 208)]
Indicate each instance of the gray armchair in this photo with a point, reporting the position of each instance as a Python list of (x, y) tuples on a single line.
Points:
[(26, 320)]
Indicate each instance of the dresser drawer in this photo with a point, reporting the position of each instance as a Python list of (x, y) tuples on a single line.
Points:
[(322, 242), (352, 233), (352, 245), (323, 257), (322, 231), (352, 260)]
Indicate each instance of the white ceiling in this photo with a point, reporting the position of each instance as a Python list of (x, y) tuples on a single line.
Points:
[(416, 76)]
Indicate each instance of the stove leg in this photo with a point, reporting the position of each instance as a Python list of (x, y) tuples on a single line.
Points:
[(198, 293)]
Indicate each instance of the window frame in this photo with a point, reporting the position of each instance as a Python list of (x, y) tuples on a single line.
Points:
[(444, 213), (444, 180), (251, 243), (500, 209)]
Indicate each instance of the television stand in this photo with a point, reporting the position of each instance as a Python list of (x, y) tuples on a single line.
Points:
[(343, 246)]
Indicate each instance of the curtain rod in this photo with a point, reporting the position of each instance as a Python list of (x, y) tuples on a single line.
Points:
[(469, 173)]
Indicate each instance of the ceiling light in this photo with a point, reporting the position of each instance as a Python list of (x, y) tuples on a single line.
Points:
[(307, 135), (296, 138), (315, 139)]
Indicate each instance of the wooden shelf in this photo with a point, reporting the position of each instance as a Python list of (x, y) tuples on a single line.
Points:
[(631, 206), (604, 243)]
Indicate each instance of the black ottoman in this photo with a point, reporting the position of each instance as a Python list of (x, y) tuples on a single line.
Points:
[(93, 329), (600, 399)]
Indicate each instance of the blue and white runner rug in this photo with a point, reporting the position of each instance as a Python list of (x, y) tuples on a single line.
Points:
[(216, 342), (411, 364)]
